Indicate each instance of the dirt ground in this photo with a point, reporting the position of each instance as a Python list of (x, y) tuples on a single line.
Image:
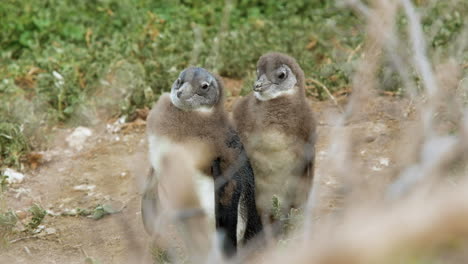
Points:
[(116, 164)]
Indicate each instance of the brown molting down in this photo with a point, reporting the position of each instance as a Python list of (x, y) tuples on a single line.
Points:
[(279, 137), (193, 128), (203, 135)]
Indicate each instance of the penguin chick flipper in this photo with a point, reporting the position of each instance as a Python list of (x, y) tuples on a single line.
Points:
[(242, 172), (149, 203), (306, 181), (227, 196), (253, 225)]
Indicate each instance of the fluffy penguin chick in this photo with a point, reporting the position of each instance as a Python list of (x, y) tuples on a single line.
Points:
[(192, 116), (277, 128)]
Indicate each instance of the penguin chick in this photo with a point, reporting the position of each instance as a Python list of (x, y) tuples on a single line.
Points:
[(192, 116), (278, 130)]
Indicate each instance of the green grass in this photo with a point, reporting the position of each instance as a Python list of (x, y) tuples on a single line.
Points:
[(119, 55), (38, 213), (8, 220)]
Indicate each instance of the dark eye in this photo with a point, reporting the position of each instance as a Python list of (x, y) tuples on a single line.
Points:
[(281, 75), (178, 81), (204, 86)]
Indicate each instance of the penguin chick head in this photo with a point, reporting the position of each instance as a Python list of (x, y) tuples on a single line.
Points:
[(196, 89), (277, 75)]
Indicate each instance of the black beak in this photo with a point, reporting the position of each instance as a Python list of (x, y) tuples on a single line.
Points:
[(258, 86)]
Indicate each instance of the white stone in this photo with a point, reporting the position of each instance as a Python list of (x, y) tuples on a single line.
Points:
[(50, 231), (78, 137), (13, 176), (57, 75), (84, 187), (384, 161)]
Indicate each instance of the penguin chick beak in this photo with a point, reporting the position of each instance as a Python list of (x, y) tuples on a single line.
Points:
[(185, 91), (261, 84), (258, 86)]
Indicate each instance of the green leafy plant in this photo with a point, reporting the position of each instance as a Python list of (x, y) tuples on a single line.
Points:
[(63, 61), (276, 208), (90, 260), (38, 214), (102, 210), (159, 255), (3, 182), (8, 220)]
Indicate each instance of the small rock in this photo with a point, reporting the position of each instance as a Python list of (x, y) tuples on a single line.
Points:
[(78, 137), (84, 187), (123, 175), (68, 211), (116, 126), (13, 176), (50, 231), (50, 212), (27, 250), (384, 161), (370, 139), (39, 229), (57, 75)]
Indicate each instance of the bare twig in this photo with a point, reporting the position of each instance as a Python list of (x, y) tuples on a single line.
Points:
[(409, 108), (353, 52), (327, 91), (27, 251), (23, 238)]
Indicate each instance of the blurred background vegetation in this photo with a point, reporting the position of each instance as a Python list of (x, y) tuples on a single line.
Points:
[(59, 58)]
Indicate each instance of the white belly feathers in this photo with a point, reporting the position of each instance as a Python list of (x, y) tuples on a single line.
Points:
[(273, 160)]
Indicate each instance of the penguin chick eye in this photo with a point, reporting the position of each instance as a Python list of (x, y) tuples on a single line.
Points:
[(281, 75), (204, 85), (178, 81)]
